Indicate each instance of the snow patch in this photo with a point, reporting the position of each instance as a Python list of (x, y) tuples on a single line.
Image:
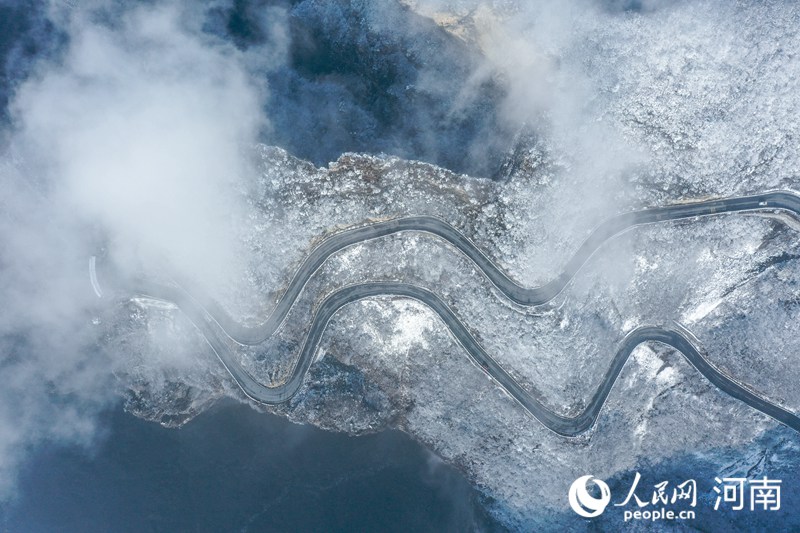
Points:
[(701, 311), (411, 326)]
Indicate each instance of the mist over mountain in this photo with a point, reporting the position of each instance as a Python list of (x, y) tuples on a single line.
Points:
[(212, 146)]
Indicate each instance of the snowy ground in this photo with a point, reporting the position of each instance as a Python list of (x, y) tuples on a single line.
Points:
[(708, 112)]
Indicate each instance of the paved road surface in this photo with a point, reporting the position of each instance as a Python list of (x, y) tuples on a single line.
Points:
[(217, 326)]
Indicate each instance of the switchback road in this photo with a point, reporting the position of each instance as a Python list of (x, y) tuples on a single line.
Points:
[(216, 324)]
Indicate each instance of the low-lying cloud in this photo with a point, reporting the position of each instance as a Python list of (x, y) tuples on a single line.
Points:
[(141, 129), (136, 137), (134, 134)]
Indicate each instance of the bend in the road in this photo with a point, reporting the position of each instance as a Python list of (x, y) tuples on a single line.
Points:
[(216, 324), (525, 296)]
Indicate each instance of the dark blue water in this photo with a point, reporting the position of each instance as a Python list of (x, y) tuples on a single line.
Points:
[(233, 469)]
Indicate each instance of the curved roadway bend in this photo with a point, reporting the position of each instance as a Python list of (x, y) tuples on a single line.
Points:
[(567, 426), (216, 324), (257, 334)]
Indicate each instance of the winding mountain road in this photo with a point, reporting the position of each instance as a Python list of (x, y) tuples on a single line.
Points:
[(216, 324)]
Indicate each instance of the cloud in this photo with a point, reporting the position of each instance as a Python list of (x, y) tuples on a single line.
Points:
[(134, 134), (141, 129), (137, 136)]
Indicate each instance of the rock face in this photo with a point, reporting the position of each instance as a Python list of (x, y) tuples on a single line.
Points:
[(710, 112)]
